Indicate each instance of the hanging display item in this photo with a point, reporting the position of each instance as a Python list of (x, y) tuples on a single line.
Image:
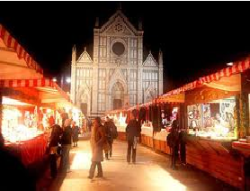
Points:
[(214, 119)]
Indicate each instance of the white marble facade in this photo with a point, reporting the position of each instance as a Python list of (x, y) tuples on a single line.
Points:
[(115, 76)]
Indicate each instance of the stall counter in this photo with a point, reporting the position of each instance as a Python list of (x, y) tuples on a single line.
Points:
[(29, 151), (217, 158), (160, 143), (121, 129)]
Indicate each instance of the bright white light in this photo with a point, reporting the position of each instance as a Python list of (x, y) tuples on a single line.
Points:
[(163, 179), (81, 161), (54, 79), (9, 101), (230, 64), (68, 80)]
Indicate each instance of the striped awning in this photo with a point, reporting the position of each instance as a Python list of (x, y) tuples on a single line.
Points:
[(42, 85), (238, 67), (12, 43)]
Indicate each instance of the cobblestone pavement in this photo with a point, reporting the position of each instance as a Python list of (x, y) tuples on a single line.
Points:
[(151, 172)]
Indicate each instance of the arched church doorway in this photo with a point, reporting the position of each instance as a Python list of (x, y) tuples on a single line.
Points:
[(117, 95)]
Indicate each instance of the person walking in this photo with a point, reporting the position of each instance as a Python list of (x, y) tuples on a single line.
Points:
[(97, 141), (66, 145), (133, 131), (75, 133)]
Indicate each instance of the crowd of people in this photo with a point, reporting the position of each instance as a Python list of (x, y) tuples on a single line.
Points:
[(60, 143), (101, 141), (102, 136)]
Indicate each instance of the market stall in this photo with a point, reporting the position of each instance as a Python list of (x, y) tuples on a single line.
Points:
[(217, 110), (15, 62), (171, 107), (26, 103)]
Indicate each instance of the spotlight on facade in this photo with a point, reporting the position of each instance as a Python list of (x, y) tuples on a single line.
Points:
[(68, 80), (54, 79), (230, 64)]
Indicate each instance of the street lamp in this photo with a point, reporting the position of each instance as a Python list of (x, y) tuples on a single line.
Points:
[(230, 64)]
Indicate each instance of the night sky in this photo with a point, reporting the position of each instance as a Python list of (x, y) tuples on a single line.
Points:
[(196, 38)]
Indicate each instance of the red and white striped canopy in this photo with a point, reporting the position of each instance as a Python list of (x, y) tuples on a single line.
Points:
[(36, 83), (12, 43), (238, 67)]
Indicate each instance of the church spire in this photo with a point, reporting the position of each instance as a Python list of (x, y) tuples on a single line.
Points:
[(97, 22), (74, 55), (120, 6), (140, 24), (160, 58)]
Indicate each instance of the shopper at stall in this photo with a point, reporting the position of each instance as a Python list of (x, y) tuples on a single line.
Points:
[(56, 133), (173, 143), (14, 174), (108, 137), (66, 145), (97, 141), (133, 131), (111, 134), (75, 133)]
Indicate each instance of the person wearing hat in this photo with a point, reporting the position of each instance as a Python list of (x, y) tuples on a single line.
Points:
[(133, 131)]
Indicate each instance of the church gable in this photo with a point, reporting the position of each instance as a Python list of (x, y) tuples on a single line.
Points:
[(118, 75), (85, 57), (150, 61), (118, 24)]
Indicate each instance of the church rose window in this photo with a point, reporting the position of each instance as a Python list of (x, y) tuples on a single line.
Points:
[(118, 48)]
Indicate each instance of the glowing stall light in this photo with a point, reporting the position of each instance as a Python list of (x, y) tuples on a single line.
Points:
[(122, 120), (9, 101), (54, 79), (230, 64)]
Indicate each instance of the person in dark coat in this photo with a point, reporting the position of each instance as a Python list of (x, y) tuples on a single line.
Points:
[(133, 131), (56, 133), (75, 133), (15, 176), (108, 137), (111, 133), (97, 141), (173, 143), (66, 145)]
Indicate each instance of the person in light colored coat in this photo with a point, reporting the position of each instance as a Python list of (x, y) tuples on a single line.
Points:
[(97, 141)]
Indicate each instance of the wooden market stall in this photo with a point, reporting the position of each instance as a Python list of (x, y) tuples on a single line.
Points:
[(216, 119), (25, 97), (26, 103)]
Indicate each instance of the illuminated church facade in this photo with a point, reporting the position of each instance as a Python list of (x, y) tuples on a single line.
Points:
[(116, 75)]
